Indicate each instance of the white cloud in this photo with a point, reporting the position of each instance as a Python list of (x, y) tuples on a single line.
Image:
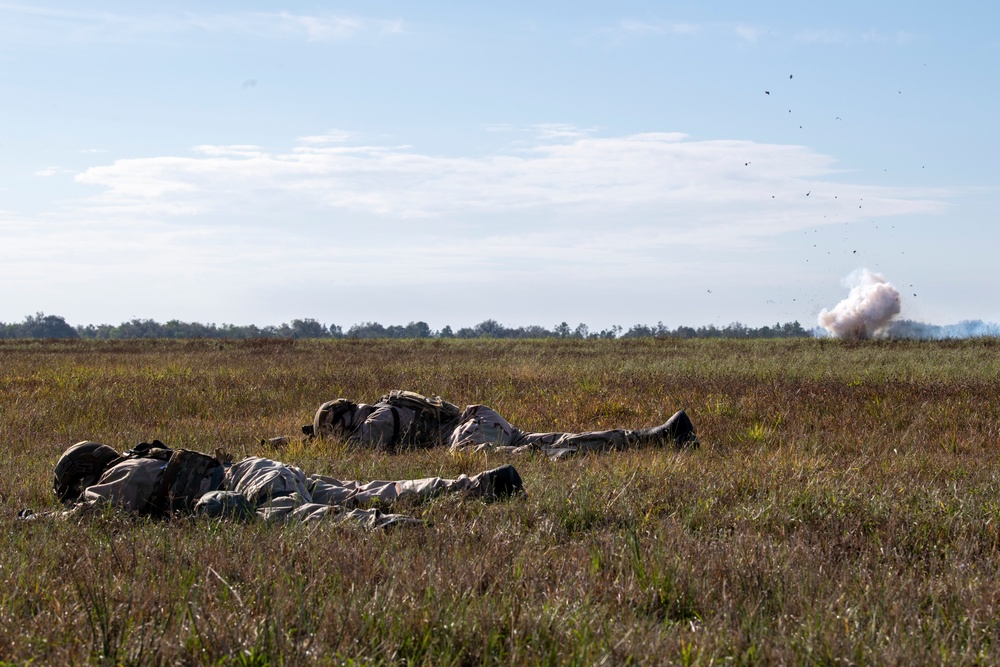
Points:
[(238, 150), (748, 33), (19, 22), (329, 137), (247, 233), (664, 182), (627, 29), (314, 28), (824, 36), (562, 131), (647, 28), (834, 36)]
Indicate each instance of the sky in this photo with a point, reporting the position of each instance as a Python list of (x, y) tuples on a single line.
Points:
[(690, 163)]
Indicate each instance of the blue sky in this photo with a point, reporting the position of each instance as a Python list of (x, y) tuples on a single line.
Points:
[(604, 163)]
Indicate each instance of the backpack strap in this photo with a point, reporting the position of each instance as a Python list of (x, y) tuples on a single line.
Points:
[(395, 427), (149, 450)]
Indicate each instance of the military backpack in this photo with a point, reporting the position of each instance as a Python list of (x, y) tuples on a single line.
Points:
[(187, 475), (434, 416)]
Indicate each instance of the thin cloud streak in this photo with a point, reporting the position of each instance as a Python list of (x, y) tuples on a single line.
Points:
[(835, 37), (647, 28), (40, 24)]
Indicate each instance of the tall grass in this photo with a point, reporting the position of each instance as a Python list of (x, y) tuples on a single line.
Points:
[(843, 508)]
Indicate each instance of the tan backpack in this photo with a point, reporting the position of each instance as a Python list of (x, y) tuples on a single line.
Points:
[(187, 473), (435, 417)]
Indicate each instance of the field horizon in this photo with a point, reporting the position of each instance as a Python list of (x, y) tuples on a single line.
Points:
[(843, 507)]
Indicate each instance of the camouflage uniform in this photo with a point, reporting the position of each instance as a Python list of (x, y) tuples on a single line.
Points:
[(155, 480), (390, 424), (398, 420), (481, 428), (283, 492)]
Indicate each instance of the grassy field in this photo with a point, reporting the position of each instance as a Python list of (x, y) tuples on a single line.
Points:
[(844, 508)]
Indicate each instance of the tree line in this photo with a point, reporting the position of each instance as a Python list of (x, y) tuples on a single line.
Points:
[(41, 325)]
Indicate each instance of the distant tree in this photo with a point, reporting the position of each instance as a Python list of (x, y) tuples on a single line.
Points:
[(534, 331), (39, 325), (418, 330), (638, 331), (490, 329), (367, 330), (52, 326), (685, 332), (613, 332), (794, 330), (308, 328), (735, 330)]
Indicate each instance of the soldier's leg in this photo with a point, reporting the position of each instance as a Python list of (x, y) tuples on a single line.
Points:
[(561, 445), (677, 431), (353, 494), (497, 483), (290, 509)]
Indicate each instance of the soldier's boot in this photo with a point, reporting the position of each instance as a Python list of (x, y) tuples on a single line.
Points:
[(677, 431), (498, 483)]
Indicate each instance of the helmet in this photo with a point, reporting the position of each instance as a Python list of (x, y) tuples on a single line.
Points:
[(333, 416), (81, 466)]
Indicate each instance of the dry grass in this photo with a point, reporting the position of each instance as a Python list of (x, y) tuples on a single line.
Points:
[(844, 508)]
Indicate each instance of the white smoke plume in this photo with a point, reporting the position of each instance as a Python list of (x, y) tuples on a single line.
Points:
[(868, 308)]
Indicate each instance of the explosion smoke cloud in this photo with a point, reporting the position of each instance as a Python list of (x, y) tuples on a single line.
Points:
[(869, 306)]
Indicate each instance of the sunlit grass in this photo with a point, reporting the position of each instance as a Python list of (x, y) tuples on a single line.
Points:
[(844, 507)]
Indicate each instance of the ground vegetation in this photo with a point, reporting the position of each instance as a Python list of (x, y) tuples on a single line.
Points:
[(844, 507)]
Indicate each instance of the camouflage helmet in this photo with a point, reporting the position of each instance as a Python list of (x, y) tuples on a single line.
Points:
[(81, 466), (330, 417)]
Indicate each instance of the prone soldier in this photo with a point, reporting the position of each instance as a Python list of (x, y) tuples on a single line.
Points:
[(154, 480), (405, 419)]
